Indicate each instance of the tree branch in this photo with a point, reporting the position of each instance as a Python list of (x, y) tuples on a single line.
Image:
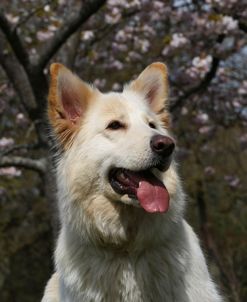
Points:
[(70, 49), (38, 165), (18, 78), (33, 12), (15, 41), (73, 22), (228, 277), (30, 86), (200, 87), (14, 148), (104, 31), (21, 83), (204, 83), (242, 26)]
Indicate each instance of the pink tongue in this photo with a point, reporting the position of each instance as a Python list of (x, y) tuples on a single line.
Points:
[(153, 195)]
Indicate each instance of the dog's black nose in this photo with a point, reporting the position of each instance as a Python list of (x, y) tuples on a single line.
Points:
[(162, 145)]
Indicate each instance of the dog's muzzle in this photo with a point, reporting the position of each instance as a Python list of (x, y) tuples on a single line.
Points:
[(143, 185)]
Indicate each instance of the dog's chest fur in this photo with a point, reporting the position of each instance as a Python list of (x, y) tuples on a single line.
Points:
[(174, 271), (107, 276)]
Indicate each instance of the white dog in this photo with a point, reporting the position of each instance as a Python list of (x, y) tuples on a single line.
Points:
[(123, 236)]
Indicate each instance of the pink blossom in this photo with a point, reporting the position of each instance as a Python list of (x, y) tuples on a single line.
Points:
[(209, 170), (148, 29), (99, 83), (165, 51), (133, 55), (33, 51), (200, 21), (47, 8), (87, 35), (3, 87), (184, 111), (237, 104), (12, 19), (143, 45), (6, 142), (158, 4), (112, 19), (116, 64), (116, 87), (28, 39), (213, 1), (222, 71), (178, 40), (116, 2), (206, 129), (243, 89), (133, 3), (233, 181), (10, 171), (222, 3), (124, 4), (121, 36), (229, 24), (52, 28), (44, 35), (202, 62), (202, 118), (21, 119), (119, 47), (155, 16), (114, 16), (200, 65)]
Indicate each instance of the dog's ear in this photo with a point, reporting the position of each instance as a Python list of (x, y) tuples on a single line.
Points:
[(152, 83), (68, 100)]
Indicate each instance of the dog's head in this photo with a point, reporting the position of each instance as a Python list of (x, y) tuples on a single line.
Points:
[(117, 149)]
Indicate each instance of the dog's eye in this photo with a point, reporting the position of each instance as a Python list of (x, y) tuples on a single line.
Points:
[(115, 125), (152, 125)]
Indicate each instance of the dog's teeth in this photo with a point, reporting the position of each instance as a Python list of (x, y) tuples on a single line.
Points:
[(122, 176)]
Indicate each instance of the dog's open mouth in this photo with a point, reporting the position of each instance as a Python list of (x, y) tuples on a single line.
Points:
[(143, 186)]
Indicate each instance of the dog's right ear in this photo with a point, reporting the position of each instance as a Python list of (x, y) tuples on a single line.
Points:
[(68, 100), (152, 84)]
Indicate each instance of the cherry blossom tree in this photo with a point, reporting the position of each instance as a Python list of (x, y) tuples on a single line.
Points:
[(108, 43)]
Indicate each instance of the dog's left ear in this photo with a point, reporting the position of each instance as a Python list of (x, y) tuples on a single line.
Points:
[(152, 83)]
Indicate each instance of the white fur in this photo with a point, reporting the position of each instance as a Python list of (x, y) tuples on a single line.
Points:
[(108, 251)]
